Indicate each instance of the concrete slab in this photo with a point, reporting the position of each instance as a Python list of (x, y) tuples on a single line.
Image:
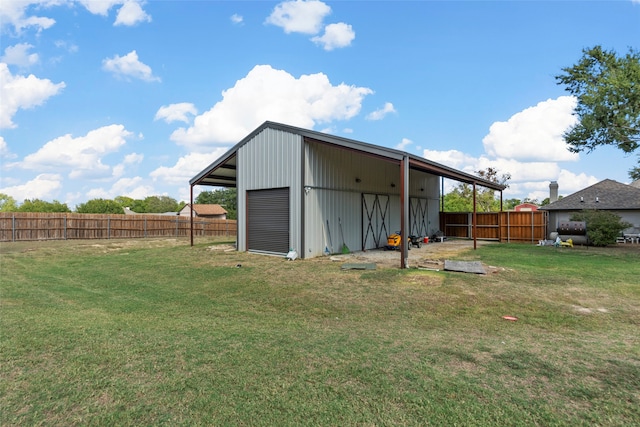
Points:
[(464, 266), (363, 266)]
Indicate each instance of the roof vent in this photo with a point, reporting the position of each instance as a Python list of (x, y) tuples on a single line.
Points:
[(581, 199), (597, 200)]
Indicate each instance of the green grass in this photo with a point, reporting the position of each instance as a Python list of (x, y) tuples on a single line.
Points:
[(111, 334)]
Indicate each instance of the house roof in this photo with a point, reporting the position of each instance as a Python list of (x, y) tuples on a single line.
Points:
[(605, 195), (222, 172), (208, 209)]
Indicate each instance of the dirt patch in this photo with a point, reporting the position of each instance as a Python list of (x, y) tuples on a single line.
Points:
[(429, 256)]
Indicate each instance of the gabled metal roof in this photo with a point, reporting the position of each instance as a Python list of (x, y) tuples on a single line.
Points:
[(222, 172)]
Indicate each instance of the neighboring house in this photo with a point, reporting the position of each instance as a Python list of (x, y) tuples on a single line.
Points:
[(128, 211), (525, 207), (609, 195), (314, 192), (204, 211)]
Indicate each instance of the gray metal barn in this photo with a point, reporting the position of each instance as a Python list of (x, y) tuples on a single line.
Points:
[(304, 190)]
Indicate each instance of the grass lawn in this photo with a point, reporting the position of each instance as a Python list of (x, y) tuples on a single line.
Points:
[(113, 333)]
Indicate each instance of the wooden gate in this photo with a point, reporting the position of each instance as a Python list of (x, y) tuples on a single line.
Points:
[(508, 226)]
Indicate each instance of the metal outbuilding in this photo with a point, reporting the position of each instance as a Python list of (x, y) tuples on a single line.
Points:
[(314, 192)]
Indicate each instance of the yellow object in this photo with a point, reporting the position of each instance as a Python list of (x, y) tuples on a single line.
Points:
[(568, 243)]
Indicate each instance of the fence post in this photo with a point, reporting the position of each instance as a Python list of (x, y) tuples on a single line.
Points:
[(108, 227), (177, 226), (532, 228), (65, 227), (145, 226), (13, 227)]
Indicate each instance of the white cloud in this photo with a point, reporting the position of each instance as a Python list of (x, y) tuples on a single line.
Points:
[(299, 16), (270, 94), (19, 92), (236, 19), (186, 167), (128, 187), (382, 112), (130, 13), (528, 179), (133, 158), (44, 186), (404, 144), (176, 112), (17, 13), (129, 159), (69, 47), (19, 55), (534, 133), (100, 7), (129, 66), (14, 13), (453, 158), (529, 147), (335, 36), (5, 153), (83, 154)]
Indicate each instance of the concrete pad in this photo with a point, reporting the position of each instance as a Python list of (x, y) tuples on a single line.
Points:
[(364, 266), (464, 266)]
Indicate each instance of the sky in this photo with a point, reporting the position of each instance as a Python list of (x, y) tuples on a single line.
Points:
[(100, 99)]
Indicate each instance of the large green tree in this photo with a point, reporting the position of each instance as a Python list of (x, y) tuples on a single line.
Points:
[(607, 87), (161, 204), (37, 205), (227, 198), (100, 206), (460, 199), (8, 203)]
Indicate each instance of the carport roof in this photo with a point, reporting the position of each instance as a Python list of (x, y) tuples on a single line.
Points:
[(223, 172)]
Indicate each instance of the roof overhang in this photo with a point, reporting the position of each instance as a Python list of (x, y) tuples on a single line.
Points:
[(223, 172)]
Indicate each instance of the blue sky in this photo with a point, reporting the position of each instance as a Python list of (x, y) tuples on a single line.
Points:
[(100, 99)]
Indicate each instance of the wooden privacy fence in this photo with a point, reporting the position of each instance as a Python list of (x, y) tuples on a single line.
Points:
[(508, 226), (19, 226)]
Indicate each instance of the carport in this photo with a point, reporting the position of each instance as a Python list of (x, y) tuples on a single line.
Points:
[(295, 184)]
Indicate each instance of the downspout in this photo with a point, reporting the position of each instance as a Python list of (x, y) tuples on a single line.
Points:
[(404, 211), (191, 214)]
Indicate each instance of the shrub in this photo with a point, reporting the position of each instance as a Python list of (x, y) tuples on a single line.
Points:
[(603, 227)]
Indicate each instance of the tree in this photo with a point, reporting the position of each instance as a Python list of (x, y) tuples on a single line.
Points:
[(100, 206), (124, 201), (603, 227), (460, 199), (608, 91), (7, 203), (227, 198), (161, 204), (37, 205)]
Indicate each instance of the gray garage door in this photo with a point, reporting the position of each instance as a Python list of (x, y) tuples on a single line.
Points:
[(268, 220)]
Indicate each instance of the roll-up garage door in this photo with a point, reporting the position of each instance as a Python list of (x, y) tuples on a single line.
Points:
[(268, 220)]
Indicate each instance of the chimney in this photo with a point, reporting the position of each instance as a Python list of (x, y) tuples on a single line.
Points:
[(553, 191)]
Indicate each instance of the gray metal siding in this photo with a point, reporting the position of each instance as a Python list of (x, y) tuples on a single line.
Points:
[(334, 194), (272, 159)]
